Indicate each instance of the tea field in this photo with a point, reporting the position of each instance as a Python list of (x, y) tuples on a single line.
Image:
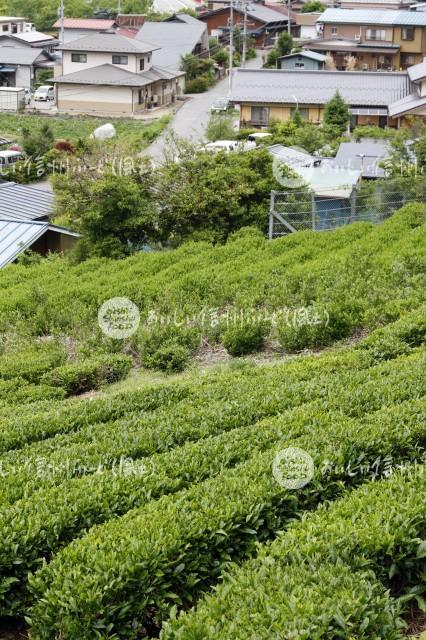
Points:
[(145, 493)]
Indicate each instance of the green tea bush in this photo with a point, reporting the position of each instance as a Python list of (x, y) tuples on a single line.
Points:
[(87, 375), (32, 362), (316, 326), (380, 527), (170, 358), (241, 339), (115, 578), (167, 347)]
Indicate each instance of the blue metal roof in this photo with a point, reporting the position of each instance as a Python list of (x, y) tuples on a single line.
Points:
[(17, 236), (22, 202), (384, 17)]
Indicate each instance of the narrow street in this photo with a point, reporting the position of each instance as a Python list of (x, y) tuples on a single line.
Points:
[(191, 119)]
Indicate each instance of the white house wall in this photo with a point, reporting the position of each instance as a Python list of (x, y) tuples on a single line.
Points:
[(94, 99), (96, 59)]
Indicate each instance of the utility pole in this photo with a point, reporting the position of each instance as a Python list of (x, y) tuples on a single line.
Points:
[(231, 42), (62, 19), (244, 54), (119, 7), (288, 17)]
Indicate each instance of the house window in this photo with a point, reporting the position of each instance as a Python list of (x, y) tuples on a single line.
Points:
[(141, 64), (407, 33), (260, 115), (79, 57), (375, 34), (5, 27), (299, 65), (304, 112), (407, 60), (334, 31), (120, 59), (141, 96)]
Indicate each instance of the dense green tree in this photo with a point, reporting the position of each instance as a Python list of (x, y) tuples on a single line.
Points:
[(220, 127), (313, 6), (337, 112), (284, 43)]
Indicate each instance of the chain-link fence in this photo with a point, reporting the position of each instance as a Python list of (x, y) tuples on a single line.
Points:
[(373, 201)]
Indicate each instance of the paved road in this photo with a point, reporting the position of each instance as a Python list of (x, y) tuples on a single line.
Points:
[(191, 119)]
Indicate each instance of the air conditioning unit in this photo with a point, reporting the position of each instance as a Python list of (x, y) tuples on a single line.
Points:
[(365, 67), (357, 37)]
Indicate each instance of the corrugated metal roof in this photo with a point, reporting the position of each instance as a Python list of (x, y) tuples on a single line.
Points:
[(173, 39), (22, 202), (313, 55), (85, 23), (110, 75), (33, 36), (16, 237), (285, 86), (108, 42), (385, 17), (256, 11), (417, 72), (410, 102), (291, 156)]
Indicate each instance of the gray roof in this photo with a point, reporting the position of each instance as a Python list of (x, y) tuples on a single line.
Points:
[(418, 71), (365, 155), (16, 237), (108, 42), (20, 55), (110, 75), (285, 86), (385, 17), (22, 202), (292, 156), (313, 55), (410, 102), (173, 40)]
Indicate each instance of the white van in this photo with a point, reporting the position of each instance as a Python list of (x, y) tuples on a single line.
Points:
[(9, 157), (229, 145)]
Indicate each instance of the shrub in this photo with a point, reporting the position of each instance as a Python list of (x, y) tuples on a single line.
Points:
[(79, 377), (170, 358), (240, 339), (168, 347), (314, 327), (31, 363), (197, 85)]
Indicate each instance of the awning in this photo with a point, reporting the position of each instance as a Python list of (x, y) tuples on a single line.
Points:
[(365, 111), (4, 69)]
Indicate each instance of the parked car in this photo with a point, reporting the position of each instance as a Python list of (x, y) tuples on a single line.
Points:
[(44, 94), (8, 158), (229, 145), (220, 105)]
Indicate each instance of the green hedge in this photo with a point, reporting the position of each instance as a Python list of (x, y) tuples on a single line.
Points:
[(116, 581), (294, 587), (90, 374), (31, 363), (81, 453), (17, 391)]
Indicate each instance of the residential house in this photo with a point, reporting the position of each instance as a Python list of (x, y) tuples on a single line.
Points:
[(75, 28), (179, 35), (309, 60), (378, 39), (306, 26), (263, 23), (25, 223), (19, 65), (383, 99), (36, 40), (106, 73), (10, 25)]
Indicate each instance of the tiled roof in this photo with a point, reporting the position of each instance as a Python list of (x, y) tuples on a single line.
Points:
[(109, 42), (313, 55), (264, 86), (20, 55), (173, 40), (110, 75), (385, 17), (94, 24), (406, 104), (417, 72)]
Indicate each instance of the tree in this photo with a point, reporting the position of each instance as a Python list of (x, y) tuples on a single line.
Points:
[(114, 212), (195, 67), (284, 43), (297, 118), (337, 113), (39, 141), (220, 127), (313, 6)]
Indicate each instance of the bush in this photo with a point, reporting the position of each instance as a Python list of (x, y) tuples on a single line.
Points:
[(197, 85), (31, 363), (169, 358), (240, 339), (79, 377), (314, 327)]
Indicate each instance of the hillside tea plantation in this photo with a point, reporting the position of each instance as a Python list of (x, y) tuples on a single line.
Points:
[(138, 489)]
